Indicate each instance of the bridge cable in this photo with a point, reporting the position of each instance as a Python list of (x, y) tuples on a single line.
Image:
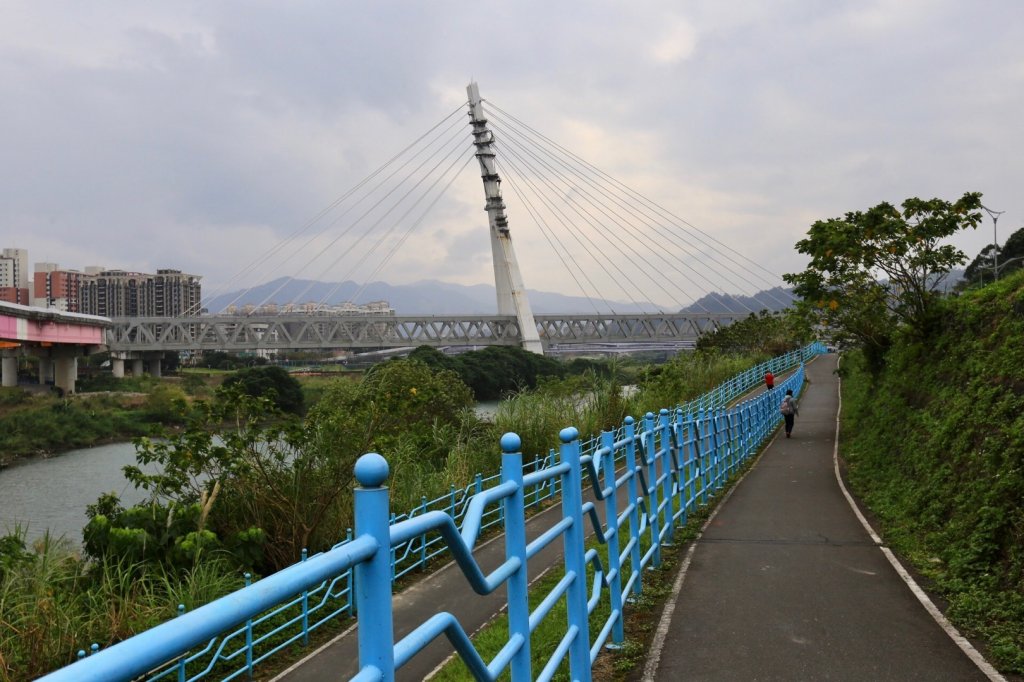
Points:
[(415, 224), (542, 224), (561, 218), (447, 144), (612, 214), (275, 250), (607, 232), (381, 219), (664, 213), (614, 199)]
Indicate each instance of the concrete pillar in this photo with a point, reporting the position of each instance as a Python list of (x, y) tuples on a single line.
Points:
[(117, 366), (137, 367), (45, 370), (155, 368), (10, 371), (66, 373)]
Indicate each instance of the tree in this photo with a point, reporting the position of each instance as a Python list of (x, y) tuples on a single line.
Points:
[(271, 381), (873, 271), (980, 268)]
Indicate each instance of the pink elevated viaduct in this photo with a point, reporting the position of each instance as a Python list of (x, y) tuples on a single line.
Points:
[(58, 339)]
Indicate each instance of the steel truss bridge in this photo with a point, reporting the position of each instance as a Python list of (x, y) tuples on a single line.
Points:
[(303, 331)]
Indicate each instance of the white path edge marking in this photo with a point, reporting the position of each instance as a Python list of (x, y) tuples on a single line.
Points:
[(922, 597)]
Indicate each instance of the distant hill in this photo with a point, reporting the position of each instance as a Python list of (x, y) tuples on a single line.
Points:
[(769, 299), (427, 297)]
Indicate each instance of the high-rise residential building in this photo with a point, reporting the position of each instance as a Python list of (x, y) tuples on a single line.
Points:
[(14, 295), (56, 288), (118, 293), (172, 293), (14, 268)]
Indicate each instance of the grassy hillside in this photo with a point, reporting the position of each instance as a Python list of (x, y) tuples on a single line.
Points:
[(935, 446)]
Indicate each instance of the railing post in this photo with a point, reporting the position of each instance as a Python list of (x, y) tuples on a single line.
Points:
[(575, 556), (305, 605), (423, 538), (650, 459), (668, 471), (681, 476), (248, 634), (351, 580), (634, 500), (611, 508), (515, 548), (373, 576), (182, 676)]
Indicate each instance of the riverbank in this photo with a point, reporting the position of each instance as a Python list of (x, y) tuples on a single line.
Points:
[(44, 425)]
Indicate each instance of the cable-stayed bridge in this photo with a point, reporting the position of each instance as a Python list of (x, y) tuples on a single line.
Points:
[(605, 238)]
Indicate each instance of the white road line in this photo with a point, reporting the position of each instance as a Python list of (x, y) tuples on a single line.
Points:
[(927, 603)]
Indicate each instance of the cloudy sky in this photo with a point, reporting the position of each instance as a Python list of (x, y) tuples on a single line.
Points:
[(197, 135)]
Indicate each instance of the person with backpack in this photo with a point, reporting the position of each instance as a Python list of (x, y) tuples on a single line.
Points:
[(769, 380), (789, 411)]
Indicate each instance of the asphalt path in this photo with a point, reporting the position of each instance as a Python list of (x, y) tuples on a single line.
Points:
[(785, 583)]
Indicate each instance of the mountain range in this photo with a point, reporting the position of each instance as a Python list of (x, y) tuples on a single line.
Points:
[(433, 297), (427, 297)]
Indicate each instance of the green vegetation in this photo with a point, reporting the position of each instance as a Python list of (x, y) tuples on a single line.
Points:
[(1011, 259), (272, 382), (765, 333), (935, 445), (41, 423), (840, 287), (243, 485), (496, 371)]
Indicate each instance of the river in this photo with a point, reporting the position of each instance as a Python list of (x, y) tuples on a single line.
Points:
[(52, 493)]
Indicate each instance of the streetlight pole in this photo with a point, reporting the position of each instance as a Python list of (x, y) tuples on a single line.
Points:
[(994, 215)]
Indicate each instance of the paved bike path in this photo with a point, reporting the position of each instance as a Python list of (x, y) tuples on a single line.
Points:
[(786, 584)]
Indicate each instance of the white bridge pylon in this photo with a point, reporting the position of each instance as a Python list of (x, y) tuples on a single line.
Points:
[(508, 281)]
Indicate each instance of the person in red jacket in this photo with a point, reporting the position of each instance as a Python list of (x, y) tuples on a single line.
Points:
[(769, 380)]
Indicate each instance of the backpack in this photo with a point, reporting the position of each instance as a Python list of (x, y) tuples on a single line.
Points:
[(787, 406)]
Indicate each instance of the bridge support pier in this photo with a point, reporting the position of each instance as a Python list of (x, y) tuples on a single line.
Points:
[(155, 365), (10, 370), (117, 367), (137, 367), (45, 370), (66, 372)]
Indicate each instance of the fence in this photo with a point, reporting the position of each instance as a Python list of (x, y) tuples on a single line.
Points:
[(671, 463)]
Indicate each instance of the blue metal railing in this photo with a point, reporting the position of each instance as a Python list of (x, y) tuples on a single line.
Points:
[(684, 455)]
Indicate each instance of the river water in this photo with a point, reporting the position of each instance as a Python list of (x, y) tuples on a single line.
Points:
[(52, 493)]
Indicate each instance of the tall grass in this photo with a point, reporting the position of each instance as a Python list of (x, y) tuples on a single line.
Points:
[(51, 601)]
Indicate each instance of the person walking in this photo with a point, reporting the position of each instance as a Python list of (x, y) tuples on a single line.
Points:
[(789, 411), (769, 380)]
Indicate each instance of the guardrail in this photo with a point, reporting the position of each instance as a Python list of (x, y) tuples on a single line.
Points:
[(685, 454)]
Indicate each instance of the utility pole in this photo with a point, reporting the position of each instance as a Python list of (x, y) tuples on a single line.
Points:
[(508, 282), (994, 215)]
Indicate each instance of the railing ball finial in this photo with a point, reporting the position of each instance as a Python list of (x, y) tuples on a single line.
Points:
[(371, 470), (628, 420), (569, 434), (511, 442), (649, 415), (663, 411)]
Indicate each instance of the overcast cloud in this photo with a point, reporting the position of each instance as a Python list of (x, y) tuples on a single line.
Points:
[(196, 135)]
